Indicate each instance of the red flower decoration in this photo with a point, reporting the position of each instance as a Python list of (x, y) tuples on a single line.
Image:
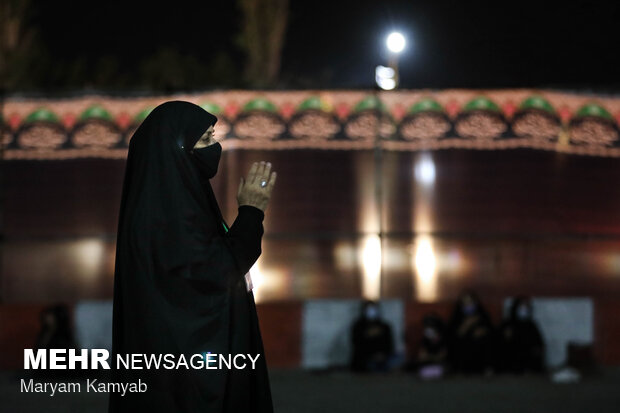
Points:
[(14, 121), (565, 114), (69, 120), (287, 110), (123, 120), (398, 111), (509, 109), (452, 108), (231, 109), (342, 110)]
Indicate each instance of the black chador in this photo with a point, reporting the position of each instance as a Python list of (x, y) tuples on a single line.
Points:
[(179, 285)]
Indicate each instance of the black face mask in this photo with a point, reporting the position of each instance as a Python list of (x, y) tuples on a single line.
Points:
[(207, 159)]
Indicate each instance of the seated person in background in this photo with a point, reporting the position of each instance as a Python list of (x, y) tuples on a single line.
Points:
[(56, 330), (373, 344), (472, 337), (522, 344), (432, 354)]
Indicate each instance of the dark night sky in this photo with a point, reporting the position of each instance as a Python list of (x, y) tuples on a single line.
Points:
[(336, 44)]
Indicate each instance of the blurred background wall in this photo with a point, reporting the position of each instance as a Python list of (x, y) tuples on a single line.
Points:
[(350, 218)]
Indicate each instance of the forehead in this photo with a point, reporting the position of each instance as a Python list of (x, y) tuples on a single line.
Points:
[(210, 129)]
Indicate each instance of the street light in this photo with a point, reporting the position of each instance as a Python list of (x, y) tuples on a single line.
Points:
[(395, 42), (387, 77)]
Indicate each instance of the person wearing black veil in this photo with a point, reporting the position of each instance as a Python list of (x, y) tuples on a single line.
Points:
[(523, 347), (181, 283), (472, 342), (56, 332), (432, 352), (371, 341)]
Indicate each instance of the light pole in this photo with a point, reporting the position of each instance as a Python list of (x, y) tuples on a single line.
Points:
[(387, 76)]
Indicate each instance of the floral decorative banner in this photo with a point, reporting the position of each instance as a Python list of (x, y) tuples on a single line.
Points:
[(101, 127)]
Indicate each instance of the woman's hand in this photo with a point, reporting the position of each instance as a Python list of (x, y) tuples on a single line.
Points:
[(251, 192)]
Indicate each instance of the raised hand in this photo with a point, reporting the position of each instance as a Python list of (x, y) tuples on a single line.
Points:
[(256, 189)]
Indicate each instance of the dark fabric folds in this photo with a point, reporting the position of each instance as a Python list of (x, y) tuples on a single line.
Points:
[(179, 273)]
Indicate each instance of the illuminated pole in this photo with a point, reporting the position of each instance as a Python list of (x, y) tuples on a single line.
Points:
[(393, 64), (373, 250)]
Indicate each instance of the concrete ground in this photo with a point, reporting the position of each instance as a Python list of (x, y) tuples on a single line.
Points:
[(299, 391)]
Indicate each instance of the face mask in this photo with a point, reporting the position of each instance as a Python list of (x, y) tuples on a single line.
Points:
[(523, 313), (207, 159), (469, 309), (372, 313), (430, 333)]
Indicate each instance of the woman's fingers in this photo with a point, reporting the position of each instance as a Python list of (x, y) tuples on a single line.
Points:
[(264, 174), (251, 192), (272, 182), (269, 177), (260, 171), (240, 187), (252, 173)]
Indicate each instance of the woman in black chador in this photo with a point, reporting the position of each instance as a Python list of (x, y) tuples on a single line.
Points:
[(372, 341), (181, 285), (472, 347), (522, 344)]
